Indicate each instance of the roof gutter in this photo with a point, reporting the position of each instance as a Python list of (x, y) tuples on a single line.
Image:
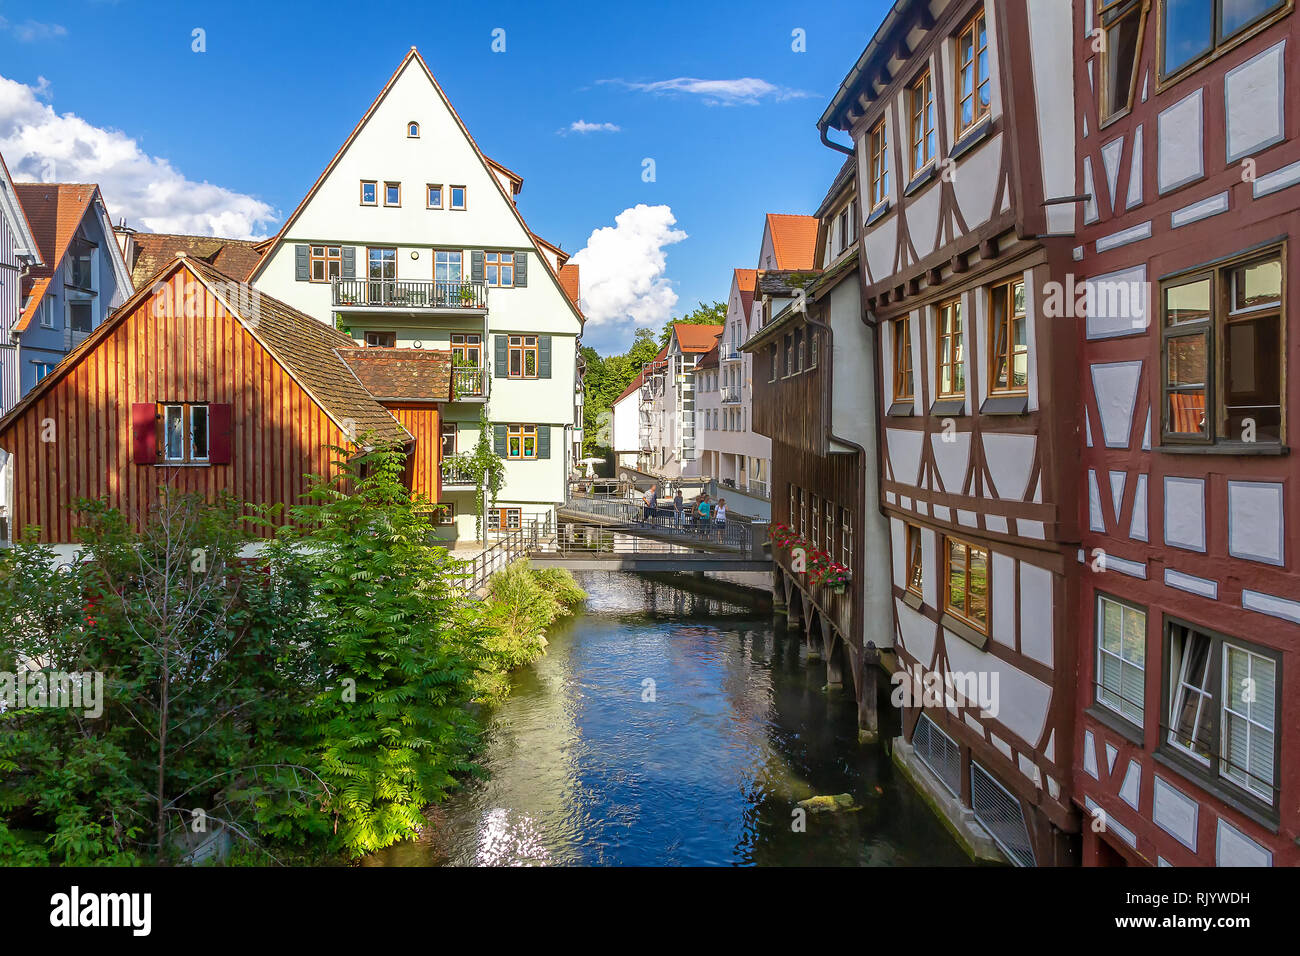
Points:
[(873, 50)]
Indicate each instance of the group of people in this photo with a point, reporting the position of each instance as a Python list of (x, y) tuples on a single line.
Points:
[(703, 515)]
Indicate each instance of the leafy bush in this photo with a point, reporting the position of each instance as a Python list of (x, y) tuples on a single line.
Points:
[(522, 603), (392, 731)]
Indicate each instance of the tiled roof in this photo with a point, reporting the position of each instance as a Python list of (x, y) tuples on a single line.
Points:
[(842, 179), (745, 279), (696, 338), (34, 296), (418, 375), (54, 210), (710, 358), (640, 376), (794, 240), (309, 350), (569, 282), (153, 250), (786, 284)]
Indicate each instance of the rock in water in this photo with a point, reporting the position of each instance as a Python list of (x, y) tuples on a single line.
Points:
[(829, 804)]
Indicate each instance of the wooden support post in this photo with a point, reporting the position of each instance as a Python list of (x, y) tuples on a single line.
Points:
[(868, 715)]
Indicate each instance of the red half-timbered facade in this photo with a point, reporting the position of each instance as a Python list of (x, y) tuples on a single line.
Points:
[(1188, 124), (965, 178), (200, 383)]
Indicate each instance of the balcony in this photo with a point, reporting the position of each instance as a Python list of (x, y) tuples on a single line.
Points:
[(456, 473), (365, 295), (730, 394), (469, 384), (729, 353)]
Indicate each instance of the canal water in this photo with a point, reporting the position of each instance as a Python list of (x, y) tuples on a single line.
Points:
[(667, 727)]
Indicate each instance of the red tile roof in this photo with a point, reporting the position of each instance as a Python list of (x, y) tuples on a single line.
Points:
[(696, 338), (34, 296), (745, 280), (401, 375), (640, 376), (794, 240), (153, 250), (306, 348), (569, 282), (54, 210)]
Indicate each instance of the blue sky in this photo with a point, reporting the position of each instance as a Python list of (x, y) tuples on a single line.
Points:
[(259, 113)]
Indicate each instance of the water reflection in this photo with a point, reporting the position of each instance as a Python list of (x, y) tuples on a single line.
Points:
[(669, 727)]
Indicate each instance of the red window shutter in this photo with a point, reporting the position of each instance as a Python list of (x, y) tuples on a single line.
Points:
[(144, 433), (220, 434)]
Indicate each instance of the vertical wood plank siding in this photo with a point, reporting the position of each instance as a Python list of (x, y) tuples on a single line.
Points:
[(178, 345), (424, 423)]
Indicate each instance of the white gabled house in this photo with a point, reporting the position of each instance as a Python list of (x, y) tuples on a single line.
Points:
[(411, 238)]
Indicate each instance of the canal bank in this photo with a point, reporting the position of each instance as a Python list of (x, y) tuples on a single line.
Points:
[(670, 724)]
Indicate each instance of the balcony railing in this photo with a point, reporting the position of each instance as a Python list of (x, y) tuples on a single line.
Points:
[(730, 394), (456, 471), (468, 384), (403, 294), (729, 353)]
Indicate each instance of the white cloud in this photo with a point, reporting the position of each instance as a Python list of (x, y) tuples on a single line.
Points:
[(148, 191), (745, 91), (623, 268), (582, 126), (30, 31)]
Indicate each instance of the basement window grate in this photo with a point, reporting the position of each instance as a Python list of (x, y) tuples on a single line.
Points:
[(1000, 814), (939, 752)]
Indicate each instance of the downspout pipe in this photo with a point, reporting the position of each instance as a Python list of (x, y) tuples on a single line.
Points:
[(827, 141)]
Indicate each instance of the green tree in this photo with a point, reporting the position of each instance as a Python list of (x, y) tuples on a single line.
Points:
[(713, 314), (205, 663), (403, 651)]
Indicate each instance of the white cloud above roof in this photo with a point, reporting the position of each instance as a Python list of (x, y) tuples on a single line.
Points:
[(623, 266), (41, 145)]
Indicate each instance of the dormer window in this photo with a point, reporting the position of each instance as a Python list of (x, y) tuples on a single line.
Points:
[(412, 130)]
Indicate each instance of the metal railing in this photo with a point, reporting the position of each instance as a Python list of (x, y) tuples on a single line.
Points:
[(684, 526), (456, 471), (474, 573), (730, 394), (729, 353), (469, 383), (406, 294)]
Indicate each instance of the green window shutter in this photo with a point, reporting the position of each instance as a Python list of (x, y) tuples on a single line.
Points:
[(476, 265), (501, 358), (499, 440), (521, 270), (543, 441), (301, 265), (543, 356), (349, 262)]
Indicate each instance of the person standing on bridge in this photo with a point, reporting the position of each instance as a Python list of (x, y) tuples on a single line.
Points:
[(720, 519), (702, 509), (678, 515), (651, 502)]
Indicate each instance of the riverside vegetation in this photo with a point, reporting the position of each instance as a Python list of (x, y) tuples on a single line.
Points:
[(304, 705)]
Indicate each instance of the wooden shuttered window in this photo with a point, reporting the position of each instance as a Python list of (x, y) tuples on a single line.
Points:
[(302, 263), (144, 433), (500, 355), (476, 265), (146, 424), (521, 270)]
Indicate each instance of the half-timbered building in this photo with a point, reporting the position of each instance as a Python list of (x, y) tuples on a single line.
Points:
[(201, 384), (1188, 124), (814, 369), (966, 178)]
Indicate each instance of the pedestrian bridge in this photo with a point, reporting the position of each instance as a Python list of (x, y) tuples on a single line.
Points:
[(614, 534)]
